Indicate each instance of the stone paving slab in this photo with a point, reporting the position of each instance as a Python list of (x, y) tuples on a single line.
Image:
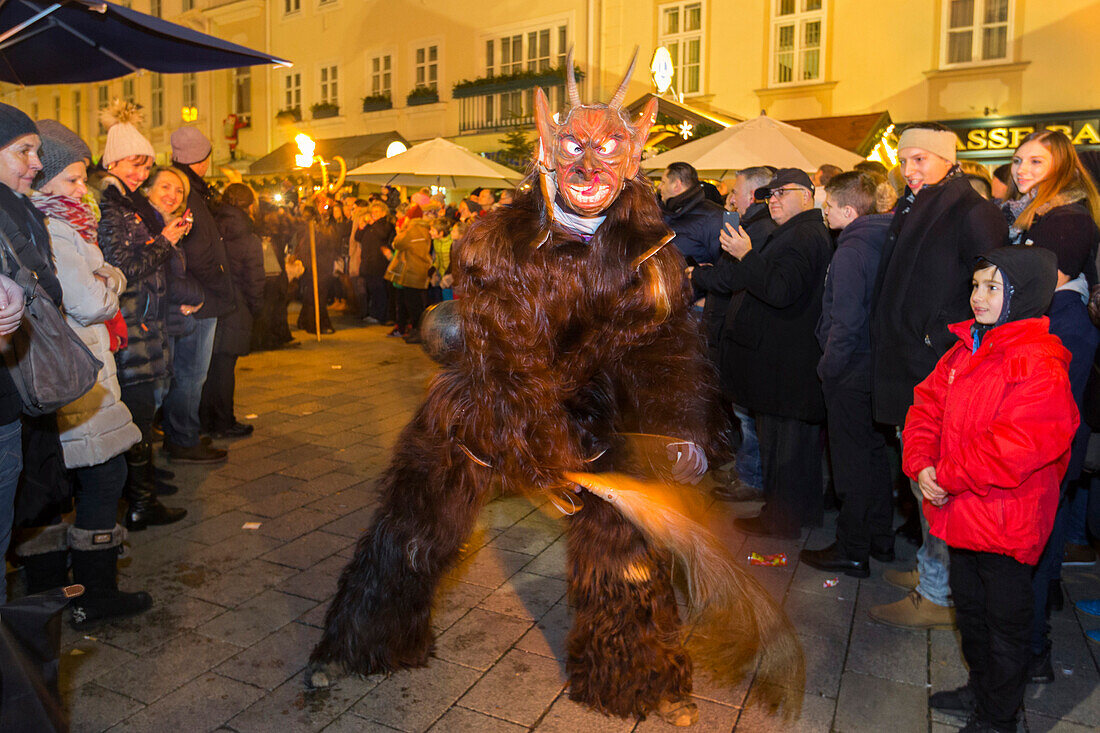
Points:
[(238, 610)]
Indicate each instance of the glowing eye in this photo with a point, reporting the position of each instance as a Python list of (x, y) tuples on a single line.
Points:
[(609, 147), (572, 148)]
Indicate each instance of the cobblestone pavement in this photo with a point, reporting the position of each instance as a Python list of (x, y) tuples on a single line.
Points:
[(238, 609)]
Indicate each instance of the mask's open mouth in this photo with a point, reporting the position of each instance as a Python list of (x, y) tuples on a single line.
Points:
[(589, 195)]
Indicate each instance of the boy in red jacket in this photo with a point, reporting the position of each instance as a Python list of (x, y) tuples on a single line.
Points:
[(987, 439)]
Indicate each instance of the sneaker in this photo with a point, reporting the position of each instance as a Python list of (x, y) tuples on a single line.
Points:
[(200, 453), (904, 579), (1090, 606), (371, 321), (961, 700), (1078, 555), (737, 490), (1093, 635), (236, 430), (914, 612)]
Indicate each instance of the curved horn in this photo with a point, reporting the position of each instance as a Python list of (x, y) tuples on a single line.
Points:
[(571, 81), (617, 100)]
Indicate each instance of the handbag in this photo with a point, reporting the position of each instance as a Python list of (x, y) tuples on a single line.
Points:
[(47, 361)]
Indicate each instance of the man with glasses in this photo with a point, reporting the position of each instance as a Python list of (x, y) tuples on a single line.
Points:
[(772, 352)]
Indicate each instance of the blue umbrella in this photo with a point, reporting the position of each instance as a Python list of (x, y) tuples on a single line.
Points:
[(73, 41)]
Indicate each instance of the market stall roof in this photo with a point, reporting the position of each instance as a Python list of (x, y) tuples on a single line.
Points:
[(680, 110), (436, 162), (759, 141), (355, 150), (74, 41), (858, 133)]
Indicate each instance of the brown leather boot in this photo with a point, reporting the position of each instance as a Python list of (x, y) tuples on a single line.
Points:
[(915, 612)]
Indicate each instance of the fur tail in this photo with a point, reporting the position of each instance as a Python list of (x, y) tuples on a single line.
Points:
[(737, 624)]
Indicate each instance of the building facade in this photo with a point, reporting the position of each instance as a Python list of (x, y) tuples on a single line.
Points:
[(468, 71)]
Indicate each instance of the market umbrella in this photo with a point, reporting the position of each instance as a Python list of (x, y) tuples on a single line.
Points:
[(72, 41), (436, 162), (759, 141)]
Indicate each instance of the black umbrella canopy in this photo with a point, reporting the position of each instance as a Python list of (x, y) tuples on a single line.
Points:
[(74, 41)]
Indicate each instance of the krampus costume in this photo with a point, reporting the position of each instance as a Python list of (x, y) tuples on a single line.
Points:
[(576, 329)]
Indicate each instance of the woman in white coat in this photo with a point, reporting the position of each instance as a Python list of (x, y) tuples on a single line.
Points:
[(96, 430)]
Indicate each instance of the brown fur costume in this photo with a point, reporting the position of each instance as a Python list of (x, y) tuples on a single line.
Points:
[(566, 344)]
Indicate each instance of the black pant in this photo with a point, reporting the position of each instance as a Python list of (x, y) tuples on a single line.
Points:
[(216, 407), (377, 291), (306, 318), (790, 451), (861, 474), (141, 400), (98, 489), (410, 306), (993, 608)]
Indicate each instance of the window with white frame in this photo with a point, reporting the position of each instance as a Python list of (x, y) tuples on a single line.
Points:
[(242, 90), (381, 75), (976, 31), (156, 99), (329, 78), (292, 90), (103, 99), (128, 89), (78, 113), (427, 67), (190, 90), (57, 107), (538, 49), (291, 6), (156, 7), (681, 32), (798, 40)]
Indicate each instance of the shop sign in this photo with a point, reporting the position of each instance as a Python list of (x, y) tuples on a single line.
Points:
[(1083, 129)]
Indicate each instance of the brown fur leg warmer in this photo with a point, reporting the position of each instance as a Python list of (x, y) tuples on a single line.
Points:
[(379, 618), (625, 653)]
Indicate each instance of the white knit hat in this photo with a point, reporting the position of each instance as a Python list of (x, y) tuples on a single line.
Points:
[(123, 137)]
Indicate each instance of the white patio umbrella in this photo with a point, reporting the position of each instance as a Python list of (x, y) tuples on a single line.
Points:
[(759, 141), (436, 162)]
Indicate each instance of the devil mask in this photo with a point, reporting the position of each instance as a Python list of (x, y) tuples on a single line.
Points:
[(595, 149)]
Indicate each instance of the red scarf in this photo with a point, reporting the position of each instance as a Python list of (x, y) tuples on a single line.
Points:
[(79, 215)]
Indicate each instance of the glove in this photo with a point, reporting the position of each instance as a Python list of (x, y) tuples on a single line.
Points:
[(689, 462)]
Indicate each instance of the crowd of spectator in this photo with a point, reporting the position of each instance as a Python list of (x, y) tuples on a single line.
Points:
[(933, 310)]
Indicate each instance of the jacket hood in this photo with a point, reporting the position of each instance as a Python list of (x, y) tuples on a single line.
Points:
[(1030, 275)]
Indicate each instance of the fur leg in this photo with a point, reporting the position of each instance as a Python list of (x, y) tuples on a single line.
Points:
[(625, 654), (379, 618)]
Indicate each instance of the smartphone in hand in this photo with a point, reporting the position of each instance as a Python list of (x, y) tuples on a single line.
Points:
[(732, 218)]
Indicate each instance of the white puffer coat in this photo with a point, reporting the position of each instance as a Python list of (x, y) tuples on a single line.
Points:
[(98, 426)]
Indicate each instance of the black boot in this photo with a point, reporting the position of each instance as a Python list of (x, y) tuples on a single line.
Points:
[(95, 569), (144, 509), (45, 555)]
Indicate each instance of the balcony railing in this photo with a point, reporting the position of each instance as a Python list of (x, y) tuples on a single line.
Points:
[(505, 110)]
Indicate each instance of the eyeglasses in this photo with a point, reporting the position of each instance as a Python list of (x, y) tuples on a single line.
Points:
[(778, 192)]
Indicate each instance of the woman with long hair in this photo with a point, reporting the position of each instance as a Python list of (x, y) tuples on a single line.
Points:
[(96, 429), (1054, 204), (133, 242)]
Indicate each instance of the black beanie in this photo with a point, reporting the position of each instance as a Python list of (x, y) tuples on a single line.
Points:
[(14, 124)]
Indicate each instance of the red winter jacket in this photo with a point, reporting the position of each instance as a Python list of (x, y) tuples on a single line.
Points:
[(997, 426)]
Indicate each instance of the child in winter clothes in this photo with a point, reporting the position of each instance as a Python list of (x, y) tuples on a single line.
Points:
[(987, 439), (858, 450)]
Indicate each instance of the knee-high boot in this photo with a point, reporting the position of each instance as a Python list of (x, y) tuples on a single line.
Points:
[(95, 559), (45, 555), (144, 509)]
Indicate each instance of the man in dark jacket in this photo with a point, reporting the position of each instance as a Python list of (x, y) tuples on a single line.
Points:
[(771, 353), (375, 238), (695, 220), (861, 473), (940, 225), (724, 294), (208, 264)]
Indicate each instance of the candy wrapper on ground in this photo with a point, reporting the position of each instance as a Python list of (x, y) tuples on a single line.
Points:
[(830, 583), (777, 560)]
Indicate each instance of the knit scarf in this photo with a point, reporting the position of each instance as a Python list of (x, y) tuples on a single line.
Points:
[(74, 212), (81, 217)]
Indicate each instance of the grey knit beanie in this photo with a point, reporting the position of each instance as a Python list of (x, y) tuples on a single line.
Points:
[(190, 146), (14, 124), (61, 147)]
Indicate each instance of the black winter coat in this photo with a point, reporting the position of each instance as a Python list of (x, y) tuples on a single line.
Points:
[(768, 352), (697, 223), (246, 265), (722, 281), (372, 238), (923, 285), (129, 242), (205, 251)]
